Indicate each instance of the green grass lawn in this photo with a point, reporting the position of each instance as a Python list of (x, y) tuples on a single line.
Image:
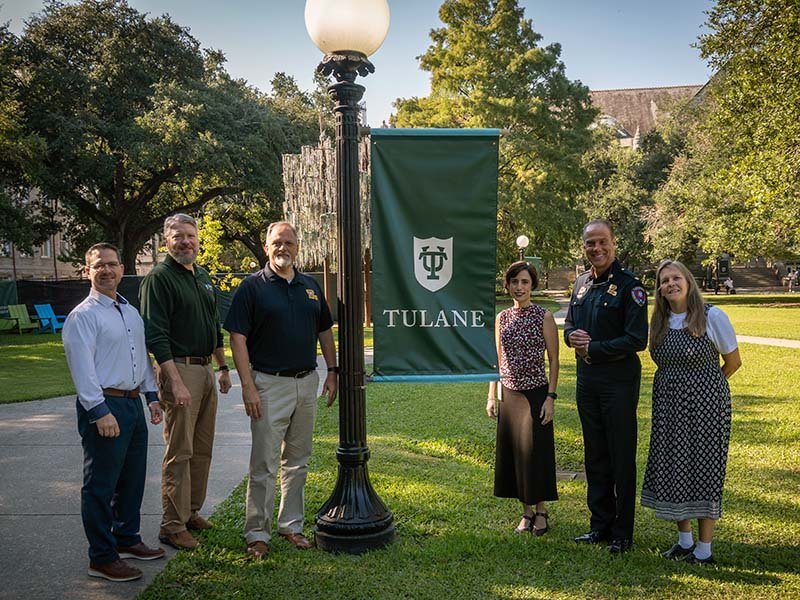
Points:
[(33, 367), (432, 464), (773, 315)]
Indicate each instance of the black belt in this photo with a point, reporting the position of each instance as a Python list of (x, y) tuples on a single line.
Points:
[(193, 360), (289, 373), (115, 393), (606, 359)]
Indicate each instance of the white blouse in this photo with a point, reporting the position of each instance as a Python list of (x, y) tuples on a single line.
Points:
[(718, 328)]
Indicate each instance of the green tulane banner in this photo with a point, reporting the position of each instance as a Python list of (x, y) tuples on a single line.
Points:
[(434, 214)]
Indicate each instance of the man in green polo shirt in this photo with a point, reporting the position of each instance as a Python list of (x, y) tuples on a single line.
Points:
[(182, 331)]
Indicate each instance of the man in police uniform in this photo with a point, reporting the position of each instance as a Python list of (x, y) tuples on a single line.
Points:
[(275, 320), (607, 325)]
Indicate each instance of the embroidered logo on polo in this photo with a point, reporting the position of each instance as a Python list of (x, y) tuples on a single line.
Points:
[(433, 262), (639, 295), (312, 295)]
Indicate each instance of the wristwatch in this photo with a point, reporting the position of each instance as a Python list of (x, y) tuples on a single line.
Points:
[(333, 369), (224, 368), (552, 395)]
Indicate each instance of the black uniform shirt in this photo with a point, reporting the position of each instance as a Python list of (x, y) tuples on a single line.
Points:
[(613, 310), (281, 320)]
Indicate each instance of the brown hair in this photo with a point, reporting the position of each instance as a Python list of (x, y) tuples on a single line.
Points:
[(517, 268), (102, 246), (695, 311)]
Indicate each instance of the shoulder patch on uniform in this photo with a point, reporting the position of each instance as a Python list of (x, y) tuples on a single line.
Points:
[(639, 295)]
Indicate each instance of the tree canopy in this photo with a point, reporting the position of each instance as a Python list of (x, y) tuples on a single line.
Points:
[(488, 70), (135, 122)]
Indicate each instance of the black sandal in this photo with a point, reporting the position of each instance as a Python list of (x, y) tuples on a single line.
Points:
[(528, 527), (541, 531)]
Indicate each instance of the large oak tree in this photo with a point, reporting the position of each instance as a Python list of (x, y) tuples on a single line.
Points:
[(136, 122)]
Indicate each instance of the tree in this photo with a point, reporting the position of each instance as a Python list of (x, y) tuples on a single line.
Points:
[(136, 123), (749, 142), (488, 70), (25, 220), (297, 121)]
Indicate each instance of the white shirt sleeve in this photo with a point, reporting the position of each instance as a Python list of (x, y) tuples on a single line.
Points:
[(721, 331), (79, 336)]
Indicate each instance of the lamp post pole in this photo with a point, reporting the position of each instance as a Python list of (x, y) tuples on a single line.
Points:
[(353, 519)]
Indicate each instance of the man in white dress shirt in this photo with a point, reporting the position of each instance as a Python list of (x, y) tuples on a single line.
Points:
[(105, 348)]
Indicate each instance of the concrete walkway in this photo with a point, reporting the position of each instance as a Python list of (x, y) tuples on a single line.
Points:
[(44, 550)]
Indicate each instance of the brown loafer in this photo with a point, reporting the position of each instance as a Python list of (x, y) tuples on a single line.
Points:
[(257, 550), (118, 570), (140, 551), (197, 523), (298, 540), (182, 540)]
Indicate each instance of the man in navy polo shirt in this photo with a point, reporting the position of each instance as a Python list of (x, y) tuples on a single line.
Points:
[(275, 320)]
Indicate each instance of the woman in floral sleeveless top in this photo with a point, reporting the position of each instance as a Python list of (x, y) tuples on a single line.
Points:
[(691, 424), (525, 465)]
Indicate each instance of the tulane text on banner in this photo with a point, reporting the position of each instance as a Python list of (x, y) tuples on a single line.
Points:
[(434, 214)]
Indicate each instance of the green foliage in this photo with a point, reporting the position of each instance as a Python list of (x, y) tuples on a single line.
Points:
[(488, 70), (25, 219), (745, 180), (213, 253), (135, 122)]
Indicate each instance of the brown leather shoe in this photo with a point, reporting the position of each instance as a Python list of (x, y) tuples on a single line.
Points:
[(298, 540), (182, 540), (140, 551), (257, 550), (118, 570), (196, 523)]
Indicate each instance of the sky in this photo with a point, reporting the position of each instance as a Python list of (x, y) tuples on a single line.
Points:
[(606, 44)]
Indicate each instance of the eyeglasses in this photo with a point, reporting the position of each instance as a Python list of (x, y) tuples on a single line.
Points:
[(104, 265)]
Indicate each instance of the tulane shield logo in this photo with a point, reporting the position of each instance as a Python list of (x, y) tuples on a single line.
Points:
[(433, 262)]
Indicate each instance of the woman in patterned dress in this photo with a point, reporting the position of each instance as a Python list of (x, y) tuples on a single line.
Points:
[(691, 423), (525, 465)]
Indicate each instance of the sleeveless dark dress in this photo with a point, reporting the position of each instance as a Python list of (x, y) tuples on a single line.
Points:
[(525, 463), (691, 429)]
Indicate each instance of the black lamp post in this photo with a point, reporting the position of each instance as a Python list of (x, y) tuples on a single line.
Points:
[(522, 243), (353, 519)]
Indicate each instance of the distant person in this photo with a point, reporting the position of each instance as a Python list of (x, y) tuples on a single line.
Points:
[(729, 288), (525, 460), (107, 358), (276, 318), (606, 324), (691, 423), (179, 307)]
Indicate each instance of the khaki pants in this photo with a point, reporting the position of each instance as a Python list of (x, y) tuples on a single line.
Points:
[(189, 437), (281, 437)]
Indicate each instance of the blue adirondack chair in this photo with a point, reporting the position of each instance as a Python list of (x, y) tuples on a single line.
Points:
[(48, 319)]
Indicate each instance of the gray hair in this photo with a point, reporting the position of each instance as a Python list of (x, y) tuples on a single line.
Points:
[(280, 224), (605, 222), (176, 219)]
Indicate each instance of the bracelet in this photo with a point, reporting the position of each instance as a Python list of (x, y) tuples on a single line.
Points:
[(333, 370), (224, 368), (552, 395)]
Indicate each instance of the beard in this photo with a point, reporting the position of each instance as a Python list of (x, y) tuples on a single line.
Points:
[(282, 262), (185, 256)]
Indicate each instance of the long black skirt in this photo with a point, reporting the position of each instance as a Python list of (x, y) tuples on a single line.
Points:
[(525, 459)]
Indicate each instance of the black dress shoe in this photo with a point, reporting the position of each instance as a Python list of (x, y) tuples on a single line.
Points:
[(693, 560), (619, 546), (677, 552), (592, 537)]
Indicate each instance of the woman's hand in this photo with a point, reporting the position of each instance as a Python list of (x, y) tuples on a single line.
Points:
[(546, 414), (491, 407)]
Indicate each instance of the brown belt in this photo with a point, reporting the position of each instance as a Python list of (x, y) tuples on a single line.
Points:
[(121, 393), (193, 360)]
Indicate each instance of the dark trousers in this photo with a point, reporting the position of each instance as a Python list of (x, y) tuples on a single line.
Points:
[(113, 479), (607, 396)]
